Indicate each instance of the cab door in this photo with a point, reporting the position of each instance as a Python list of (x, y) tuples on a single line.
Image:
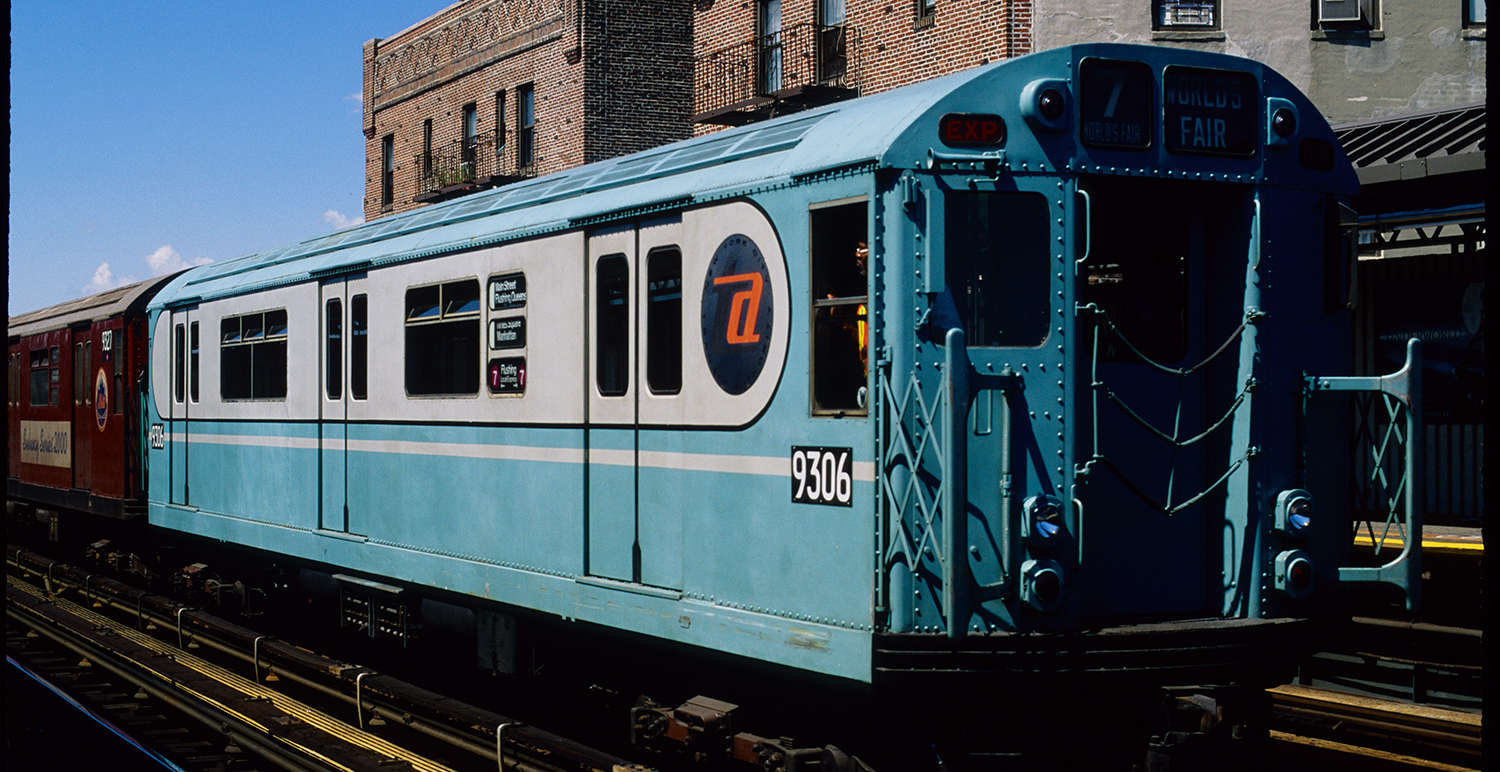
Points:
[(83, 407), (611, 410), (661, 402), (183, 336)]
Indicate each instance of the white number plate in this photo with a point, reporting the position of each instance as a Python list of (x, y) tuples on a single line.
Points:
[(158, 435), (823, 476)]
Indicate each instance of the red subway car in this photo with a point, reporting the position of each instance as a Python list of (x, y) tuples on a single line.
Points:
[(73, 372)]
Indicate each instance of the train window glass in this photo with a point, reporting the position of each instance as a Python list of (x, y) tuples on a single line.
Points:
[(179, 383), (78, 371), (996, 261), (840, 324), (118, 355), (612, 325), (192, 361), (41, 375), (358, 346), (333, 377), (252, 356), (88, 372), (442, 339), (664, 320)]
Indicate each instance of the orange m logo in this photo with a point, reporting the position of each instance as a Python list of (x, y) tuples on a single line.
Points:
[(743, 307)]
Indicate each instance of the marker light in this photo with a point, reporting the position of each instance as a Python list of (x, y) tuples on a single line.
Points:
[(1284, 122), (1042, 519), (1050, 104), (1294, 573), (1281, 121), (1041, 584), (1294, 510)]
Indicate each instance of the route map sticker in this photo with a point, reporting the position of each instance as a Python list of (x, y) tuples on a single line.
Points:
[(737, 314)]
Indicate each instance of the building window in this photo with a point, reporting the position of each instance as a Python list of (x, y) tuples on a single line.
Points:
[(252, 356), (427, 148), (840, 324), (358, 346), (388, 170), (1346, 14), (499, 125), (1185, 15), (612, 325), (442, 339), (470, 147), (193, 361), (664, 320), (1474, 13), (44, 376), (926, 12), (770, 46), (525, 126), (179, 367), (333, 375)]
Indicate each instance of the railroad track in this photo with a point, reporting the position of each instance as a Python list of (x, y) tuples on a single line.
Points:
[(1326, 728), (68, 610)]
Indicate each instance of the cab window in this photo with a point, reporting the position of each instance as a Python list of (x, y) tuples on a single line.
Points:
[(840, 309), (996, 264)]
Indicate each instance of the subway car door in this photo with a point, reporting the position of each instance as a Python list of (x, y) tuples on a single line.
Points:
[(184, 322), (342, 364), (81, 370), (660, 324), (613, 550)]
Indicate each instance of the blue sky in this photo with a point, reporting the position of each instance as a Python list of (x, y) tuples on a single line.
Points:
[(153, 135)]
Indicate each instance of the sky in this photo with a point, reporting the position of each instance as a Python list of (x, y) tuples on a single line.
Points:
[(150, 136)]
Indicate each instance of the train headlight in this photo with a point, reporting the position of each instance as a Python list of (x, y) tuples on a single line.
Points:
[(1294, 512), (1041, 584), (1046, 103), (1294, 573), (1281, 121), (1042, 519)]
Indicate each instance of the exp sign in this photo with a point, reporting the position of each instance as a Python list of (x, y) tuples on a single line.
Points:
[(1210, 111), (971, 130)]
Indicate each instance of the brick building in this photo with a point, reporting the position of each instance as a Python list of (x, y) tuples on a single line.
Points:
[(486, 92), (757, 58)]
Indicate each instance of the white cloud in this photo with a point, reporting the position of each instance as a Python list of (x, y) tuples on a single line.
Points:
[(357, 98), (104, 279), (340, 220), (166, 260)]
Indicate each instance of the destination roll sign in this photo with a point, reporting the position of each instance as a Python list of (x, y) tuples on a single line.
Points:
[(1210, 111), (1115, 104)]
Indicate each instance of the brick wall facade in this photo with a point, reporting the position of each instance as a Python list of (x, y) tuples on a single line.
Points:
[(596, 69), (893, 43)]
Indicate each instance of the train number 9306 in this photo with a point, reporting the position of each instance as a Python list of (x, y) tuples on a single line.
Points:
[(823, 476)]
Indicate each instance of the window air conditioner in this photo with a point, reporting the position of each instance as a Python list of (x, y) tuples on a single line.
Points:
[(1343, 11)]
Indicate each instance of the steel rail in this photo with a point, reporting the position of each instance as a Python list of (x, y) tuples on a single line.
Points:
[(530, 749)]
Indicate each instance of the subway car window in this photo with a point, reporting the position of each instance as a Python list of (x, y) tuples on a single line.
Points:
[(252, 356), (996, 260), (55, 381), (442, 339), (179, 382), (41, 375), (333, 376), (118, 355), (192, 361), (358, 346), (78, 373), (612, 323), (664, 320), (88, 372), (840, 308)]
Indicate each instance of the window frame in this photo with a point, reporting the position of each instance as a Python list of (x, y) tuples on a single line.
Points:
[(1158, 9), (672, 366), (831, 305), (924, 13), (525, 126), (333, 354), (359, 347), (500, 124), (388, 171), (179, 366), (618, 326), (255, 344)]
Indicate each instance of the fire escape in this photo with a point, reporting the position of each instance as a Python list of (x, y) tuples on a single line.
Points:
[(790, 69), (465, 166)]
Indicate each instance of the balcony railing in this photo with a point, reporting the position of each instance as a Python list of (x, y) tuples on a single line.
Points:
[(800, 66), (464, 166)]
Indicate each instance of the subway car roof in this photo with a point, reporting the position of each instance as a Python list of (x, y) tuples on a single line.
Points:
[(894, 129), (131, 298)]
